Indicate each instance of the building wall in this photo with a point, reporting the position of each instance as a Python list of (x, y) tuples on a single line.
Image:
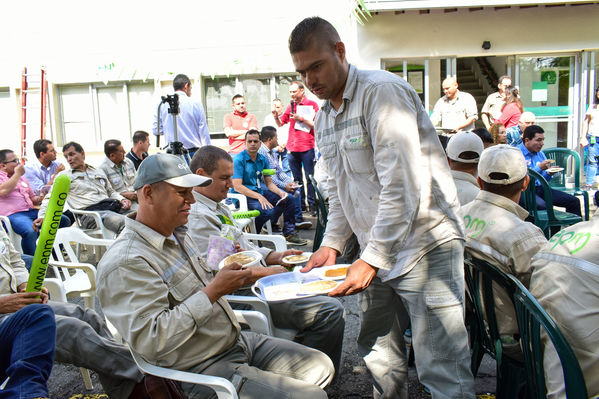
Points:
[(461, 33)]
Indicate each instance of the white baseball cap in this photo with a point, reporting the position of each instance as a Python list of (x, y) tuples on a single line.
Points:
[(462, 142), (502, 158)]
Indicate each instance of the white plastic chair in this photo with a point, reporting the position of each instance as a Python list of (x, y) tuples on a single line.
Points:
[(14, 237), (100, 230), (224, 388), (243, 207), (58, 293)]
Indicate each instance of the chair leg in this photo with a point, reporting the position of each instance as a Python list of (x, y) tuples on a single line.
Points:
[(86, 378)]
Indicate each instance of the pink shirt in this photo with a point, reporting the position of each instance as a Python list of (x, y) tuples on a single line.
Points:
[(298, 140), (19, 199), (510, 116), (237, 121)]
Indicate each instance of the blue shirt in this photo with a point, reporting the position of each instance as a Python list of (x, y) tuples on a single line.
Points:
[(250, 172), (280, 178), (192, 129), (38, 175), (533, 159)]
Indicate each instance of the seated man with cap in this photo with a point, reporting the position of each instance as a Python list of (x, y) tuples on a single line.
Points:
[(166, 303), (463, 151), (496, 230)]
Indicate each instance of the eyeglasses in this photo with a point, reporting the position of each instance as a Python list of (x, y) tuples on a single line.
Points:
[(16, 160)]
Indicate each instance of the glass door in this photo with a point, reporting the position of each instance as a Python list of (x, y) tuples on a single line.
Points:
[(547, 89)]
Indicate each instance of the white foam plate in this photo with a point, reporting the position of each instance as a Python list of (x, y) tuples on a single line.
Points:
[(255, 254), (319, 272), (285, 287), (554, 169), (298, 262)]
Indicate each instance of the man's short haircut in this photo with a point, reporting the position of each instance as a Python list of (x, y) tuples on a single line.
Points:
[(299, 84), (251, 131), (311, 31), (140, 136), (207, 158), (451, 80), (110, 146), (531, 131), (40, 146), (277, 99), (505, 190), (528, 116), (73, 144), (267, 133), (484, 134), (180, 81), (235, 97), (502, 77), (4, 154)]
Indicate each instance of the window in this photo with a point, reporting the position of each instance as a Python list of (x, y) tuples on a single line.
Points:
[(93, 113), (258, 93)]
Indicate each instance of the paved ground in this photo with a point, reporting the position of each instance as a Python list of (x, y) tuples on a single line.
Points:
[(354, 380)]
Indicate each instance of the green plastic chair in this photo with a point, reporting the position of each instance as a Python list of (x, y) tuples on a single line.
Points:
[(562, 157), (321, 216), (531, 318), (549, 217)]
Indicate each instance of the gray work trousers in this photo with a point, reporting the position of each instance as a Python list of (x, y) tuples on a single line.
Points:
[(431, 297), (266, 367), (82, 339), (320, 322)]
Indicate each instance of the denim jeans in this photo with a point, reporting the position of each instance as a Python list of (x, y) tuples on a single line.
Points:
[(593, 159), (431, 298), (286, 208), (261, 366), (285, 162), (22, 224), (297, 161), (27, 340)]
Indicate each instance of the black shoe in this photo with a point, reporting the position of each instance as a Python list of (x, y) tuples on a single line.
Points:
[(303, 225), (295, 240), (313, 213)]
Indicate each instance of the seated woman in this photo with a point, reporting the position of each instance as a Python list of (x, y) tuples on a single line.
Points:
[(498, 133)]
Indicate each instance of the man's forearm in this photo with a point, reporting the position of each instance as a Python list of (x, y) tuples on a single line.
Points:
[(8, 186), (241, 189)]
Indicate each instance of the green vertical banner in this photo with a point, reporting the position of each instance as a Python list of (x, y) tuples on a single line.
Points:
[(60, 190)]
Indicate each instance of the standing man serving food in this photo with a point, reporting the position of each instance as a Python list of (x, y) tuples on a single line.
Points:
[(391, 186)]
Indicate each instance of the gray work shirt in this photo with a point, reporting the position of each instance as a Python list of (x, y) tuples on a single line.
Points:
[(390, 182)]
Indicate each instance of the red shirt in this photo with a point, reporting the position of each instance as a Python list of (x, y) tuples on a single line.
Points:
[(510, 116), (237, 121), (299, 141)]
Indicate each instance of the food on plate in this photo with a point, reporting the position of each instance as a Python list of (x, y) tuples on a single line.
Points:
[(555, 169), (241, 258), (317, 286), (295, 258), (338, 272)]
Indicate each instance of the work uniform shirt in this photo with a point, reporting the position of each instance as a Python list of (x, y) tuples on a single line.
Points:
[(19, 199), (12, 268), (565, 281), (496, 232), (492, 106), (121, 176), (390, 182), (466, 185), (453, 113), (88, 187), (150, 287), (207, 217)]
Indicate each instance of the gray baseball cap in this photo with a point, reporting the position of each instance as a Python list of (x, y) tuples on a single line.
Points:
[(169, 168), (502, 158)]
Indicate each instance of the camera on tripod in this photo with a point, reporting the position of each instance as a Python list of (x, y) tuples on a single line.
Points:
[(175, 147)]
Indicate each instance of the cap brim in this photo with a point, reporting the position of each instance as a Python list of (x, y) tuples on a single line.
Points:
[(189, 180)]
